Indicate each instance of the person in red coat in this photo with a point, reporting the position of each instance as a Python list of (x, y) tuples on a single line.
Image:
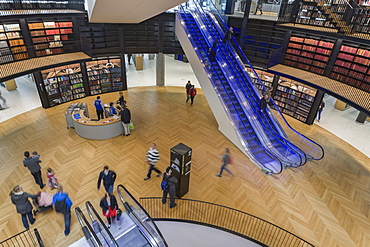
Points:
[(192, 92)]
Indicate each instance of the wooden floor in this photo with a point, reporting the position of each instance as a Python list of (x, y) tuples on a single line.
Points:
[(324, 202)]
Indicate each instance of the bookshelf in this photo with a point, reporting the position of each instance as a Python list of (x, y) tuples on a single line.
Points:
[(63, 84), (12, 46), (352, 67), (50, 37), (104, 76), (311, 54), (309, 15), (266, 78), (294, 99)]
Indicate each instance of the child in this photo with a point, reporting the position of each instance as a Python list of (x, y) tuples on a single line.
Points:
[(35, 155), (53, 181)]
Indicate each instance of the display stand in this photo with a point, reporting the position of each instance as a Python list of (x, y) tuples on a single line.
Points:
[(10, 85), (139, 62), (180, 164), (340, 105)]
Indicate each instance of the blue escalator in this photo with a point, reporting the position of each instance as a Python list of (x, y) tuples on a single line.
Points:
[(264, 138), (242, 123)]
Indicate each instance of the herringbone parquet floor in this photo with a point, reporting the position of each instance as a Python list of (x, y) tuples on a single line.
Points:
[(325, 202)]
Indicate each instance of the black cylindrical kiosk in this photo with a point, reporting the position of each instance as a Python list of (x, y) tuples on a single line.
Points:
[(180, 163)]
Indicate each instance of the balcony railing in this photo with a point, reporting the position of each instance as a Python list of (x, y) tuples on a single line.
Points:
[(224, 218), (24, 239)]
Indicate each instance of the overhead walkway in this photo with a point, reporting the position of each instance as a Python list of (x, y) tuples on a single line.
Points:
[(234, 97)]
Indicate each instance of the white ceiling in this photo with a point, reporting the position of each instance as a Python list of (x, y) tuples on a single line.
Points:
[(127, 11)]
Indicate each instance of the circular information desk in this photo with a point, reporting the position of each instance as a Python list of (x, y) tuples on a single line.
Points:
[(97, 130)]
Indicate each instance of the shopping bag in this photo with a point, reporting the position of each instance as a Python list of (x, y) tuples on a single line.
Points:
[(132, 125)]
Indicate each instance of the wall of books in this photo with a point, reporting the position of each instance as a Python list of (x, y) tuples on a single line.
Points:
[(308, 53), (294, 99), (50, 37), (63, 84), (104, 75), (12, 47), (353, 67)]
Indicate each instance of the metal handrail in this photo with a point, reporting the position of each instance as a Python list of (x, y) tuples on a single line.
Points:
[(20, 239), (238, 222), (130, 211), (89, 208), (38, 237), (86, 224)]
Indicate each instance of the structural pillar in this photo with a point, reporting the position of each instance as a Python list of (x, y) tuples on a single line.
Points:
[(160, 70)]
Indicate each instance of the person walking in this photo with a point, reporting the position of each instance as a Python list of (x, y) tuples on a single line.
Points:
[(170, 188), (62, 204), (126, 120), (99, 108), (4, 101), (226, 159), (192, 93), (258, 7), (152, 157), (187, 86), (228, 36), (109, 207), (108, 177), (33, 165), (23, 205), (321, 108)]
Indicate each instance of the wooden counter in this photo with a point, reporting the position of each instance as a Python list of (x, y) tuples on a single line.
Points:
[(97, 130)]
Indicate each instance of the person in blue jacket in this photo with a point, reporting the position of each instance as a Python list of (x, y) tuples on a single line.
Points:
[(112, 110), (99, 108), (59, 197)]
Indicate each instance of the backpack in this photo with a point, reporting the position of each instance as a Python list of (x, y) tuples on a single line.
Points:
[(61, 206), (164, 184)]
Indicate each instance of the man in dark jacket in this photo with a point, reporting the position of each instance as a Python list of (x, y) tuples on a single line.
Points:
[(171, 181), (32, 163), (187, 87), (126, 120), (108, 177), (228, 36)]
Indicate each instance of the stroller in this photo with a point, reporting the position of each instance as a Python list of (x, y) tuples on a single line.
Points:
[(42, 203)]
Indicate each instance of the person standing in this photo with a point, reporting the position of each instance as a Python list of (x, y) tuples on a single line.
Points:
[(99, 108), (109, 207), (108, 177), (152, 157), (192, 93), (121, 100), (187, 86), (264, 101), (33, 164), (228, 36), (321, 108), (129, 57), (226, 159), (62, 204), (258, 7), (171, 181), (23, 205), (212, 52), (126, 120)]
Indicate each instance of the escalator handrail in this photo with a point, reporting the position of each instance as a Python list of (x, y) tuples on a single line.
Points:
[(141, 208), (272, 156), (236, 44), (84, 222), (288, 145), (89, 207), (38, 237)]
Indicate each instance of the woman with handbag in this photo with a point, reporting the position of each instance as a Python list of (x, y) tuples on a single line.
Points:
[(109, 207)]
